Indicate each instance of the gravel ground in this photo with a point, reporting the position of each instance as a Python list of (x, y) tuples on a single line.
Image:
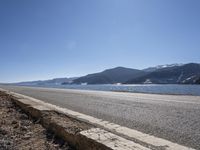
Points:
[(20, 132)]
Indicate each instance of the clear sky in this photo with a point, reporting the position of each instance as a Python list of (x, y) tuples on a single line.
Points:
[(42, 39)]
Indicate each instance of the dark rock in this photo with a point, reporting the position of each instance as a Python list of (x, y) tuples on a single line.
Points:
[(23, 117), (16, 126), (14, 122), (3, 132)]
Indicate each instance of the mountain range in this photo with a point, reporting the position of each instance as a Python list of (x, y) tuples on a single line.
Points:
[(56, 81), (181, 74), (162, 74), (110, 76)]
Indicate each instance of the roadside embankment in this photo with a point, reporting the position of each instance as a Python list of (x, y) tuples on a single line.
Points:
[(20, 131)]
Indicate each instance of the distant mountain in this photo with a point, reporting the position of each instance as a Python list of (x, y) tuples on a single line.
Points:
[(151, 69), (183, 74), (162, 74), (110, 76), (56, 81)]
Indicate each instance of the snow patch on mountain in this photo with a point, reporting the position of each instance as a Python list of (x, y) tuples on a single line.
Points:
[(151, 69)]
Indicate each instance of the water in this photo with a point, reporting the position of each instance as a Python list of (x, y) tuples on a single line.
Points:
[(140, 88)]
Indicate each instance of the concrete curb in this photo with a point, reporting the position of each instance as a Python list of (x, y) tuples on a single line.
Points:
[(103, 135)]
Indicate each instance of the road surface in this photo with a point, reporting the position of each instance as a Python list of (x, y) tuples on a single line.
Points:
[(172, 117)]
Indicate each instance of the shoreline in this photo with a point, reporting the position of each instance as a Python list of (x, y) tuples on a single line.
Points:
[(106, 85)]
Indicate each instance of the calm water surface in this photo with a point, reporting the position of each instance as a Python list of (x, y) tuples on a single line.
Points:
[(149, 88)]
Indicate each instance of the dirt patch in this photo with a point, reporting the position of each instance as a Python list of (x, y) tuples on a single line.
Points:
[(20, 131)]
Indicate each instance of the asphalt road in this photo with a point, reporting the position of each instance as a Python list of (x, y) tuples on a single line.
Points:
[(172, 117)]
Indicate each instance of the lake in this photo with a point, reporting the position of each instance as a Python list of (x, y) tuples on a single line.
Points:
[(139, 88)]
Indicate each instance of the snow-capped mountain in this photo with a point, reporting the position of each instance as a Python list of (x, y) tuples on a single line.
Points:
[(184, 74), (151, 69)]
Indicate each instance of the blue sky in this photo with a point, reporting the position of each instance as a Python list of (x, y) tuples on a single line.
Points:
[(42, 39)]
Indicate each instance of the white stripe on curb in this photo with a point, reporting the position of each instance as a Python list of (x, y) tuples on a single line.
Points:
[(111, 140)]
